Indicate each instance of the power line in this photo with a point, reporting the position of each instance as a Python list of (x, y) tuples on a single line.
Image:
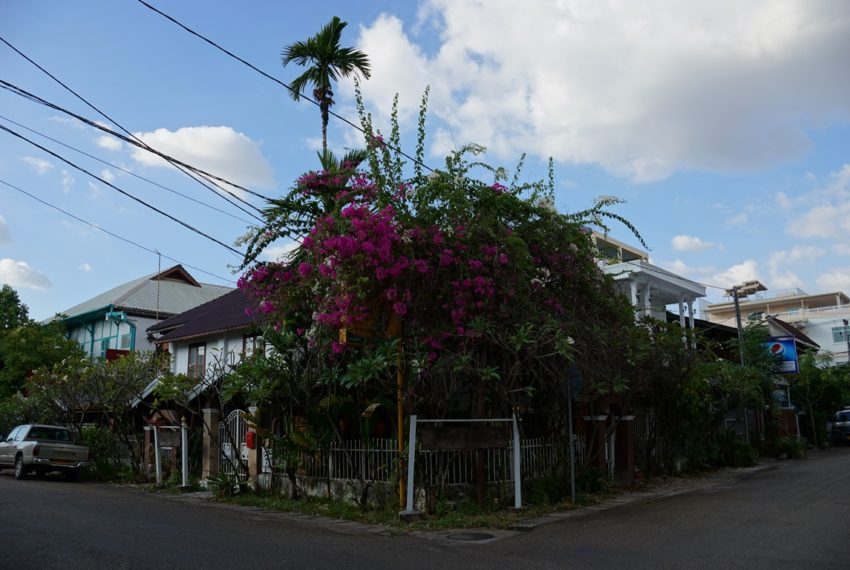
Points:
[(139, 142), (97, 227), (126, 171), (279, 82), (12, 88), (125, 193)]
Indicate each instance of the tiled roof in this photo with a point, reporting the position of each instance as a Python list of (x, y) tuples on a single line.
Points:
[(224, 313), (178, 292)]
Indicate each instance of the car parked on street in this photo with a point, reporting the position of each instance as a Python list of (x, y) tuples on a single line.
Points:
[(41, 449), (839, 430)]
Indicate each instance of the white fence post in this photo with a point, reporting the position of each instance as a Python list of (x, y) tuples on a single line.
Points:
[(156, 454), (184, 450), (411, 464), (517, 467)]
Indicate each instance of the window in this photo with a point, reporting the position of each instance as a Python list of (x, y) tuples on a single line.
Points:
[(839, 334), (252, 344), (197, 360)]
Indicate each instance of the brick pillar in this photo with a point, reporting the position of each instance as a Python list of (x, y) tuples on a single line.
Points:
[(211, 449)]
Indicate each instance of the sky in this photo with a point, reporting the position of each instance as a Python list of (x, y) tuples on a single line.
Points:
[(724, 126)]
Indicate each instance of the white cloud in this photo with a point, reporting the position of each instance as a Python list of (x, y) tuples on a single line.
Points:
[(5, 237), (40, 165), (690, 243), (94, 190), (780, 262), (841, 249), (739, 219), (67, 181), (835, 280), (20, 274), (737, 274), (86, 268), (679, 267), (278, 252), (641, 88), (218, 150), (783, 201), (831, 216), (109, 143), (107, 175)]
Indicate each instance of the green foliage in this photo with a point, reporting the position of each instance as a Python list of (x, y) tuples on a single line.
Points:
[(18, 409), (31, 346), (13, 313), (326, 62), (819, 389), (594, 480), (103, 446), (224, 485)]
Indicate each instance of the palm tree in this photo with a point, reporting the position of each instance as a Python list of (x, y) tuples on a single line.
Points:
[(327, 62)]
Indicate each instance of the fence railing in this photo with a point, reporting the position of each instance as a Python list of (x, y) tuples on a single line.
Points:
[(378, 460)]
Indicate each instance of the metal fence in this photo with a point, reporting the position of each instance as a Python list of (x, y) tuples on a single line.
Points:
[(378, 460)]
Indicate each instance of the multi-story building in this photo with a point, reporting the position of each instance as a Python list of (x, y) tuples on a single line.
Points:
[(823, 317)]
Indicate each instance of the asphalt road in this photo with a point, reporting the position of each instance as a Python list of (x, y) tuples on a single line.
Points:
[(793, 515)]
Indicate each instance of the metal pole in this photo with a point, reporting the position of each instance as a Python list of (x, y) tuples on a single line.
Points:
[(156, 455), (572, 442), (184, 450), (847, 337), (517, 467), (411, 463), (741, 351), (400, 420)]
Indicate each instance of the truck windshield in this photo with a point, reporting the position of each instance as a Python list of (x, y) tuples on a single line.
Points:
[(55, 434)]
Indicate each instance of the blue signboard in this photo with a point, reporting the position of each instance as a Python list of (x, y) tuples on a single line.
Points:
[(784, 347)]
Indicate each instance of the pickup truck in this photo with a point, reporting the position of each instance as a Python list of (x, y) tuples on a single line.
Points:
[(42, 448)]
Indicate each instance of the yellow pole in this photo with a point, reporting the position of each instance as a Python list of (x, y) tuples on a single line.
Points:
[(400, 420)]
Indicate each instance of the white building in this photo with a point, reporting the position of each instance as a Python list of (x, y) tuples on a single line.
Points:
[(823, 317)]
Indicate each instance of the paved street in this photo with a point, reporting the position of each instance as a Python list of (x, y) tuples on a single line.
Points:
[(793, 515)]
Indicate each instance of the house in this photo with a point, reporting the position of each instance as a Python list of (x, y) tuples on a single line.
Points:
[(206, 342), (216, 334), (650, 288), (823, 318), (115, 321)]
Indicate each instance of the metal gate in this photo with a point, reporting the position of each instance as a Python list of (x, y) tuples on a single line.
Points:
[(231, 438)]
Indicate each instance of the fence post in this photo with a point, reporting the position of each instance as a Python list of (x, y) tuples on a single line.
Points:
[(184, 450), (411, 462), (517, 467), (156, 454)]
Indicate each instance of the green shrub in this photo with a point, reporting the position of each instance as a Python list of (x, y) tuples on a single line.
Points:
[(103, 446)]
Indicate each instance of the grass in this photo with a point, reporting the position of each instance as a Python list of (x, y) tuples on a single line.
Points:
[(448, 515)]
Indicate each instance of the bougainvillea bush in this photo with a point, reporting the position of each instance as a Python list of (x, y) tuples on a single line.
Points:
[(480, 288)]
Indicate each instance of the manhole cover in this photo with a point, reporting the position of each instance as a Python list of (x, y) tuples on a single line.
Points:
[(470, 536)]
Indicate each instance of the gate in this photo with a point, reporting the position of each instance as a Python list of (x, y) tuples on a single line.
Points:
[(231, 438)]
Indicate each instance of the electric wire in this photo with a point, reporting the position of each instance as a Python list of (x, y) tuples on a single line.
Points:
[(113, 234), (126, 171), (141, 143), (125, 193), (279, 82), (12, 88)]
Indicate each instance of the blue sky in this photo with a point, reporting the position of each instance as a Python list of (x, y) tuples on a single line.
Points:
[(724, 125)]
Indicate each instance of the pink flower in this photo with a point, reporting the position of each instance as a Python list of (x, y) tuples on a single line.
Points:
[(305, 269), (498, 188), (336, 347), (399, 308), (266, 307), (503, 259)]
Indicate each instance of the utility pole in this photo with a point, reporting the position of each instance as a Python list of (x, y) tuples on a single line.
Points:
[(740, 327), (741, 351)]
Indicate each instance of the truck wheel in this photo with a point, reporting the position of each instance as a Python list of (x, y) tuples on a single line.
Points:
[(71, 475), (20, 470)]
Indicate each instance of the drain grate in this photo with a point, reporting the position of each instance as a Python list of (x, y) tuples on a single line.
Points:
[(470, 536)]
